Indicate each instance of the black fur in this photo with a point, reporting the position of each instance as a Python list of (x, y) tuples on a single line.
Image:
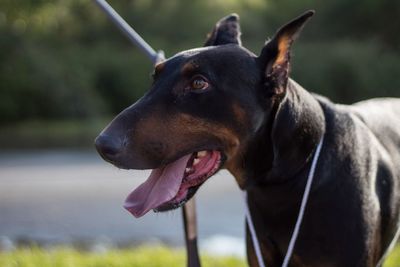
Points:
[(271, 129)]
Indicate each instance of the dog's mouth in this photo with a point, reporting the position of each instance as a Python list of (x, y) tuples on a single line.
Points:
[(170, 186)]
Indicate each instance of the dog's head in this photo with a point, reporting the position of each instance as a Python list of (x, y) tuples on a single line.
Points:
[(203, 107)]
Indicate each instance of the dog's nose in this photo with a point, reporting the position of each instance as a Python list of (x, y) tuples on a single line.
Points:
[(108, 147)]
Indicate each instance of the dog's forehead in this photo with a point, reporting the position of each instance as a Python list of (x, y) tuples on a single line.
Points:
[(206, 55), (193, 52)]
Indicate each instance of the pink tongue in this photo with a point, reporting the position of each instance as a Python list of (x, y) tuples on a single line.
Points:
[(162, 186)]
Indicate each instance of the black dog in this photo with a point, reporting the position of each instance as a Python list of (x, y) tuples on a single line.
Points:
[(224, 107)]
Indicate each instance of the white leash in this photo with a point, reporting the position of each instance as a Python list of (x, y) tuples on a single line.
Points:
[(306, 194), (253, 234)]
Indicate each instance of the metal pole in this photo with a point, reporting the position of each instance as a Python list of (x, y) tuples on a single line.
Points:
[(190, 224), (154, 56)]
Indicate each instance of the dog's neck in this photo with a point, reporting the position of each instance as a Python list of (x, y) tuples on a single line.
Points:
[(285, 143)]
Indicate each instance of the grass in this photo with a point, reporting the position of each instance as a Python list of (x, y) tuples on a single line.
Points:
[(394, 258), (138, 257)]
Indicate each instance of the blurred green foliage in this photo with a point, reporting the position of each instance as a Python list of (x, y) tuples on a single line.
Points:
[(136, 257), (63, 59)]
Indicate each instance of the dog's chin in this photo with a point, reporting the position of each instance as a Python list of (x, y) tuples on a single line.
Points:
[(177, 204), (190, 186)]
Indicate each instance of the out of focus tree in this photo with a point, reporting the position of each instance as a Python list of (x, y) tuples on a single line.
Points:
[(63, 59)]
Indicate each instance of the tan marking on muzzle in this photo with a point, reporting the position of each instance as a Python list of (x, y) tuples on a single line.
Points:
[(184, 132)]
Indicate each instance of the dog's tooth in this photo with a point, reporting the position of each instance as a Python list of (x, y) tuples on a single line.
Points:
[(187, 170), (196, 161), (201, 154)]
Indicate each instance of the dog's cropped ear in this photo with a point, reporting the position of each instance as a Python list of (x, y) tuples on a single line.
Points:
[(275, 55), (226, 31)]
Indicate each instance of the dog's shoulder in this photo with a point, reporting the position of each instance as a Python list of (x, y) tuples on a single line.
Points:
[(354, 135), (373, 111), (382, 117), (365, 135)]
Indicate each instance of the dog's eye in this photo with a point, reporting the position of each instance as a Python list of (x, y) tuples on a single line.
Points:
[(199, 83)]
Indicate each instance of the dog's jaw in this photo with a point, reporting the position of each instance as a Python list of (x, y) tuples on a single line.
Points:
[(170, 186)]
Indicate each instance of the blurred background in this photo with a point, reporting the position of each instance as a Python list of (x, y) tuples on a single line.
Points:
[(65, 71)]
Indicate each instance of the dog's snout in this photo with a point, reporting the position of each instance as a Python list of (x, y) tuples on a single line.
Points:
[(108, 147)]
